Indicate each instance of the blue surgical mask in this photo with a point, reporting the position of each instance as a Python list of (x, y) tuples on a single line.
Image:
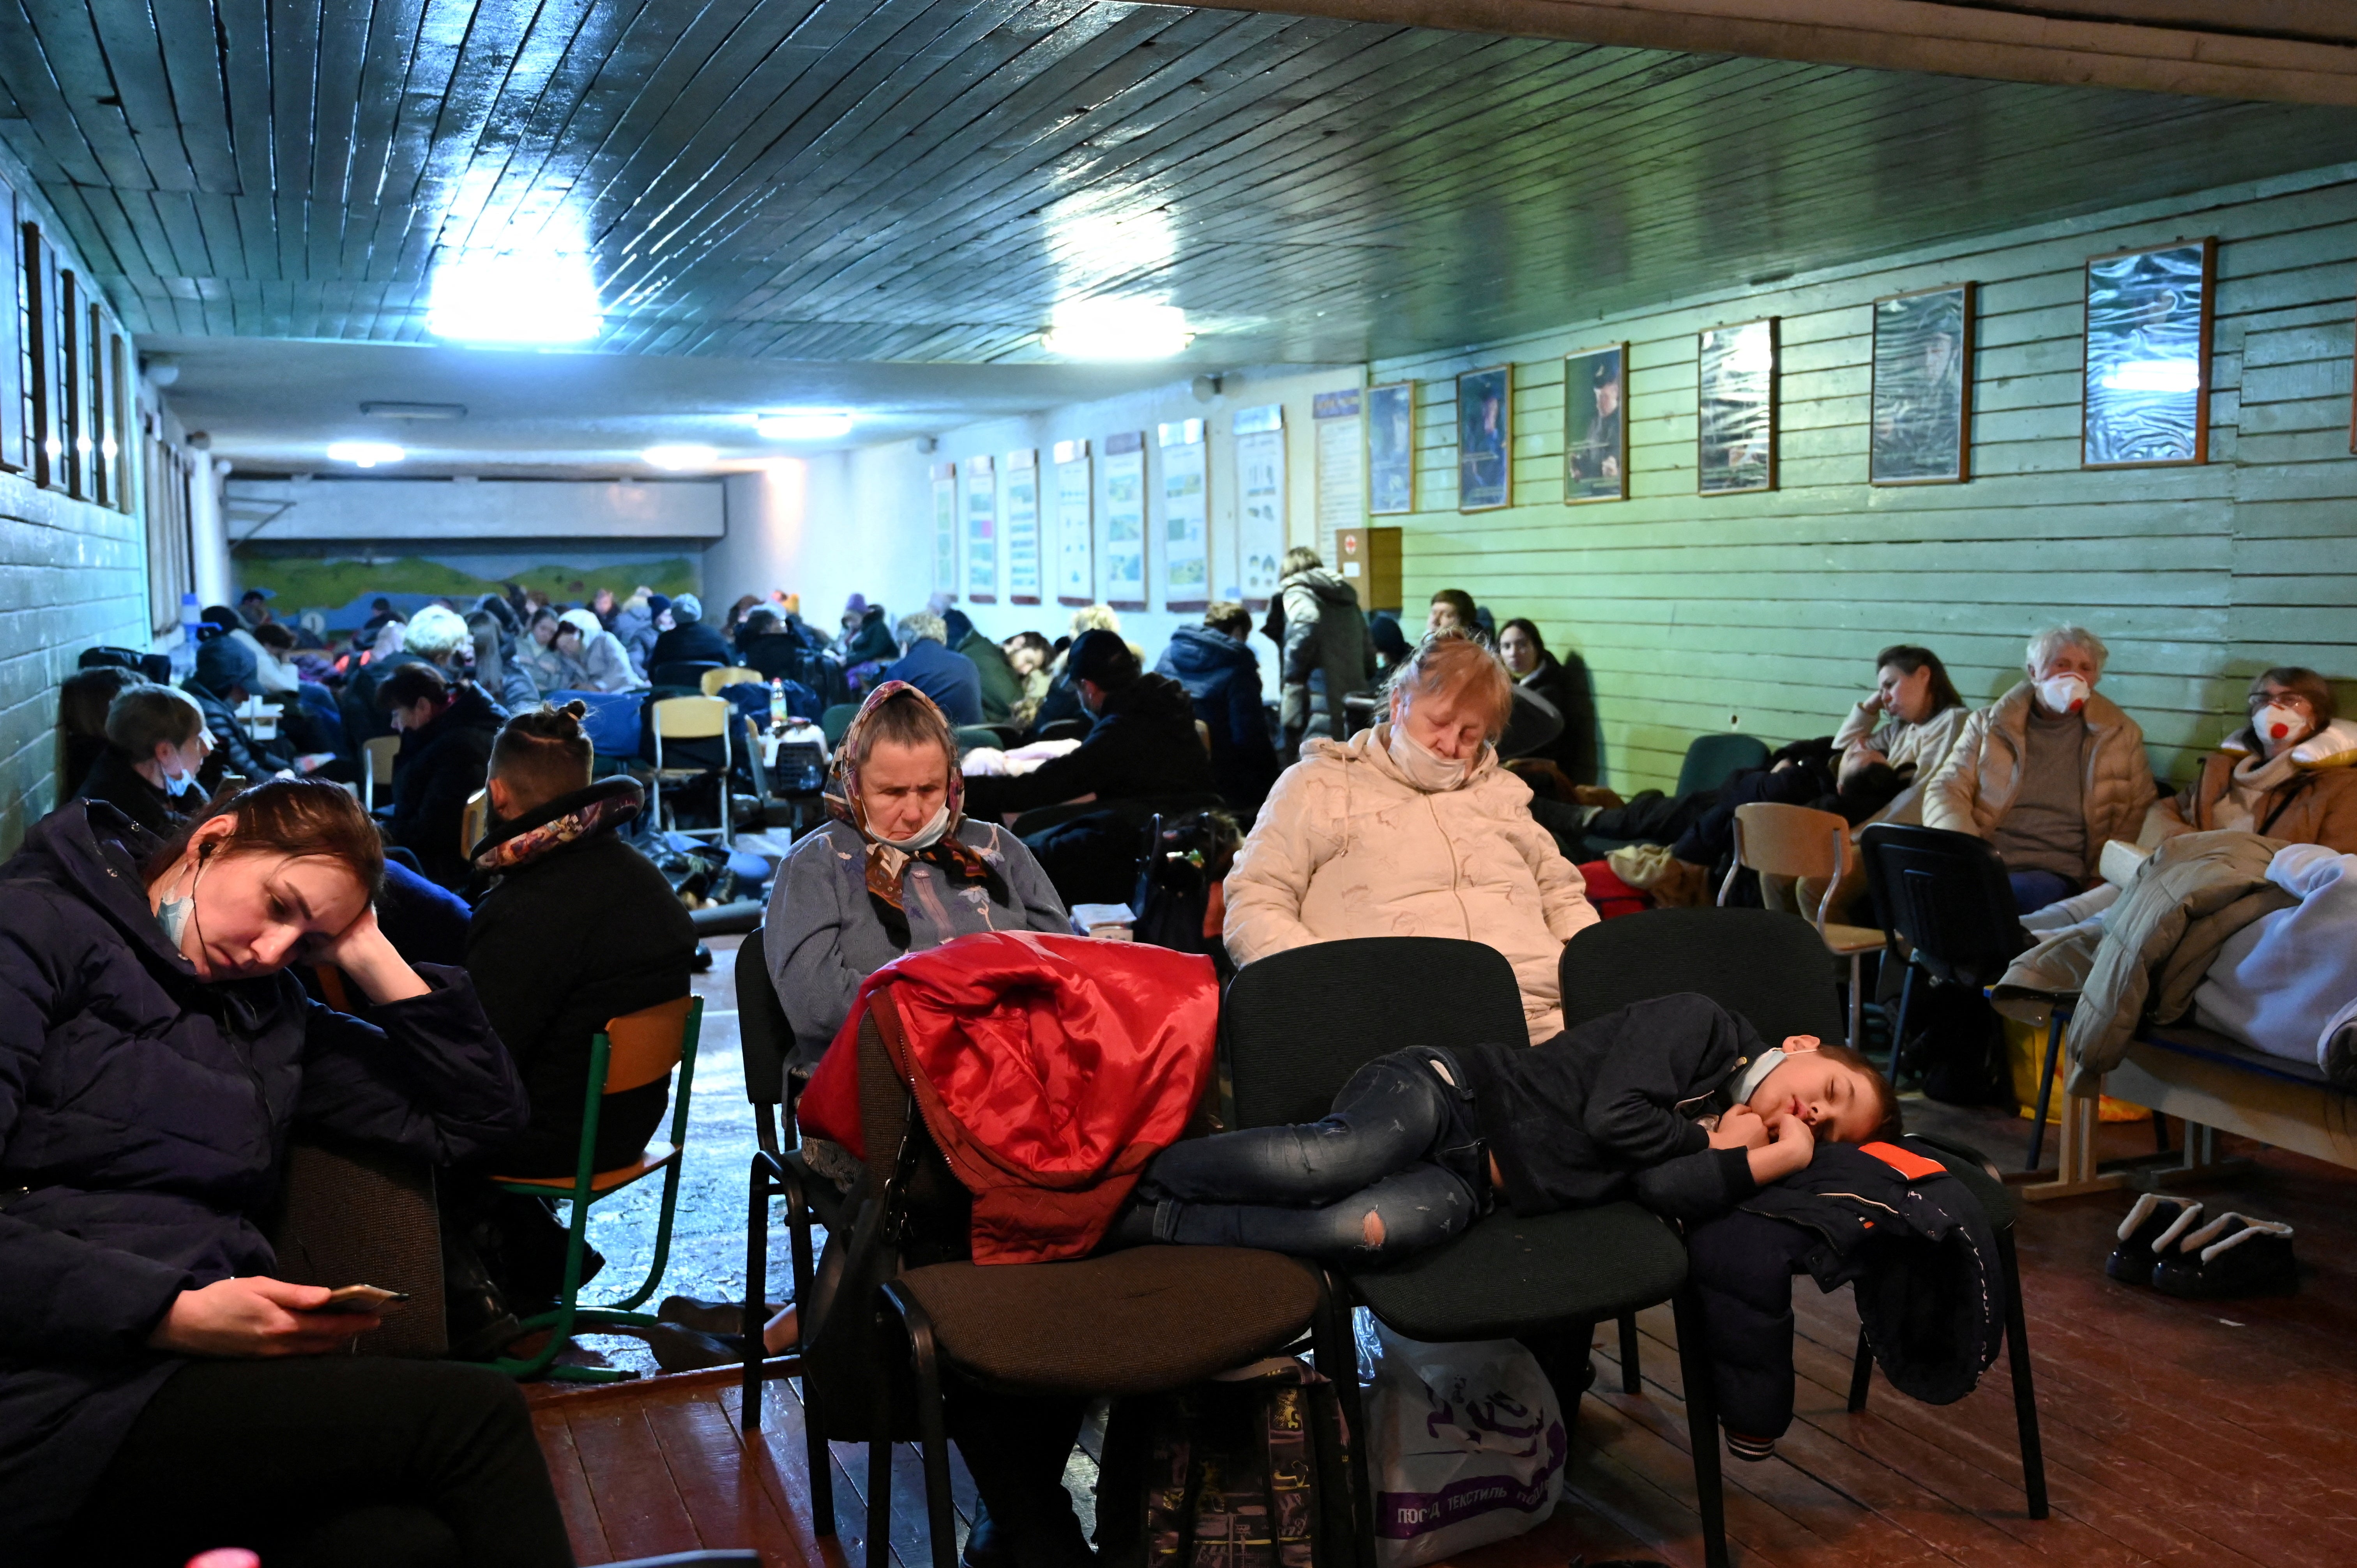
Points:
[(173, 913)]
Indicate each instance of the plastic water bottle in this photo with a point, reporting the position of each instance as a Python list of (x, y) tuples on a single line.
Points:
[(778, 704), (184, 656)]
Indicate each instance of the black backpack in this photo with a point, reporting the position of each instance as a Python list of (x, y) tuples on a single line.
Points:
[(1247, 1473)]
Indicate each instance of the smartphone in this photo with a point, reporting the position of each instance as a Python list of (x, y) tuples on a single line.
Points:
[(363, 1299)]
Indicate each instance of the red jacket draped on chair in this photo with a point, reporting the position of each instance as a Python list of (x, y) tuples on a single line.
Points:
[(1049, 1069)]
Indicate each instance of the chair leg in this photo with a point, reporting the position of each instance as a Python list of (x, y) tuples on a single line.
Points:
[(879, 1502), (2045, 1089), (756, 1275), (1355, 1415), (822, 1469), (1632, 1377), (1899, 1025), (1856, 999), (2025, 1394), (933, 1426), (2159, 1133), (1702, 1425), (1861, 1376)]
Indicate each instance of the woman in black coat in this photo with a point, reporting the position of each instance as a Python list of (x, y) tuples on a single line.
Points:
[(446, 751), (161, 1391), (1565, 687)]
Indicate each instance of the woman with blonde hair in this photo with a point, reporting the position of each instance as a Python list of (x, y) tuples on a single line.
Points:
[(1414, 828)]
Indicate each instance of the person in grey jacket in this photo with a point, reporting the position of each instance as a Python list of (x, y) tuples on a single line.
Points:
[(1328, 655), (900, 869)]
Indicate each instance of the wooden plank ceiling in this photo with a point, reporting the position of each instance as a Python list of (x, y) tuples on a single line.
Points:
[(922, 180)]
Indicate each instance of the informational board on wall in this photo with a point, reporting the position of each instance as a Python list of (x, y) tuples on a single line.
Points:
[(1121, 552), (945, 512), (1076, 569), (1341, 466), (1186, 515), (981, 532), (1260, 511), (1020, 498)]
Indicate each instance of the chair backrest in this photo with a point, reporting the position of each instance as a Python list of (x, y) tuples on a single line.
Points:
[(1203, 735), (475, 821), (691, 718), (1790, 840), (611, 722), (835, 720), (645, 1046), (1760, 963), (380, 752), (969, 737), (1295, 1025), (687, 672), (731, 675), (354, 1211), (1947, 893), (1713, 759), (763, 1035)]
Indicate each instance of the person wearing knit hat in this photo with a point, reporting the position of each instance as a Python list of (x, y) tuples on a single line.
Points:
[(1144, 743), (689, 641), (223, 681)]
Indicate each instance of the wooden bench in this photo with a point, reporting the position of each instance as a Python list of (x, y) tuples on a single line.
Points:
[(2211, 1083)]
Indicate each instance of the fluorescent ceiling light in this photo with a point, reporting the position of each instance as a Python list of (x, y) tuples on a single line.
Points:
[(1116, 329), (415, 410), (803, 423), (681, 456), (2154, 376), (365, 454), (509, 298)]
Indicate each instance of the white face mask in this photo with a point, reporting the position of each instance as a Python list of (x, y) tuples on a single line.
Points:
[(1421, 766), (2279, 724), (2063, 694), (924, 837)]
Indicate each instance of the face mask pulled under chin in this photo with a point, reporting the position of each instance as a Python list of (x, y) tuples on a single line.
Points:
[(2064, 693), (924, 837), (1422, 766)]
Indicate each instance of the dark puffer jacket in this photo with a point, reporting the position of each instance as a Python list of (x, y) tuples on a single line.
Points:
[(1144, 745), (1223, 675), (439, 767), (1328, 653), (144, 1115)]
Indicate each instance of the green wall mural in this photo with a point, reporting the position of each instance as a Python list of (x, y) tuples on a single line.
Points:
[(340, 586)]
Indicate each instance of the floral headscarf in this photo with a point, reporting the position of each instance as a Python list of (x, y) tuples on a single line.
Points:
[(958, 861)]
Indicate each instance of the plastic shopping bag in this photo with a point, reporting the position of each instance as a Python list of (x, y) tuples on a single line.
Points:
[(1469, 1447)]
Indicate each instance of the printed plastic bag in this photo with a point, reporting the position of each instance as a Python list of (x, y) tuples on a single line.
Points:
[(1469, 1447)]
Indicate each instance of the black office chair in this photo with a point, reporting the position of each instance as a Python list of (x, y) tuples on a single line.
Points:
[(1771, 969), (1295, 1026), (687, 674)]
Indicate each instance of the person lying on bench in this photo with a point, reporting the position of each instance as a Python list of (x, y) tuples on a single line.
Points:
[(1672, 1102)]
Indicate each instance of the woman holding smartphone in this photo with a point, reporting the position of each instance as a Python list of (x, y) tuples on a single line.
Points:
[(161, 1393)]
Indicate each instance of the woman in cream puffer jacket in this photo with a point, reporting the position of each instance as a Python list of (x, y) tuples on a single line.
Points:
[(1350, 844)]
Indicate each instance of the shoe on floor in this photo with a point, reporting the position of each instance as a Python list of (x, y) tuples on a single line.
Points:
[(985, 1544), (2231, 1256), (2155, 1222), (721, 1317), (679, 1349)]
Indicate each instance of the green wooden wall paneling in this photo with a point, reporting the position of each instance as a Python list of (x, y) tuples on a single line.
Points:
[(1770, 607)]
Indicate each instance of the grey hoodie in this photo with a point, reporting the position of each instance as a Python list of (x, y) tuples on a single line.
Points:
[(1329, 654)]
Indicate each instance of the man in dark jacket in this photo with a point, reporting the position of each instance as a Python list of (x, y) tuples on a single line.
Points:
[(1002, 688), (1221, 673), (689, 641), (926, 662), (1144, 743), (224, 679), (445, 750)]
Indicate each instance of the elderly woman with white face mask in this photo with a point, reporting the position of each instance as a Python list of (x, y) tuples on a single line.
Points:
[(1412, 828), (2048, 772), (2286, 773)]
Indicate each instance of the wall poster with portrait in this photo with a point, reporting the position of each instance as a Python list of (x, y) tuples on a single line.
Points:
[(1390, 449), (1485, 439), (2148, 373), (1595, 435), (1735, 389), (1922, 406)]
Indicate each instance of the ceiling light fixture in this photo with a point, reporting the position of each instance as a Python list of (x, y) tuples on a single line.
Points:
[(365, 454), (804, 424), (415, 410), (1116, 329), (681, 456), (509, 298)]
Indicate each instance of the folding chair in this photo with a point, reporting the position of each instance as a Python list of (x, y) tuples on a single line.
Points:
[(1761, 965), (1796, 841), (833, 723), (379, 755), (473, 822), (694, 719), (632, 1050), (731, 675), (1294, 1028)]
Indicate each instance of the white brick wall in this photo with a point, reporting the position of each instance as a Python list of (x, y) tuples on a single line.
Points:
[(72, 575)]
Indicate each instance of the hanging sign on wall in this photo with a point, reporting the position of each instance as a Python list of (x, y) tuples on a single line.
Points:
[(1259, 515), (1021, 498), (1076, 572), (1121, 554), (981, 532), (1186, 515)]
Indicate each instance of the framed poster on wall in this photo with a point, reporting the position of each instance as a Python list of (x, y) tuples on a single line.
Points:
[(1595, 435), (73, 401), (45, 441), (1735, 392), (945, 522), (1341, 456), (14, 457), (1020, 497), (1921, 428), (1390, 449), (1485, 439), (1260, 495), (981, 532), (2147, 370), (1076, 569), (1121, 556), (1186, 515)]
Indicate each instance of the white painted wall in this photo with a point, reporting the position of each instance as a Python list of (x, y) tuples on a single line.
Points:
[(361, 510), (825, 528)]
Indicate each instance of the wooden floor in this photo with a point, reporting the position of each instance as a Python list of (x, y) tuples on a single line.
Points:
[(2217, 1436)]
